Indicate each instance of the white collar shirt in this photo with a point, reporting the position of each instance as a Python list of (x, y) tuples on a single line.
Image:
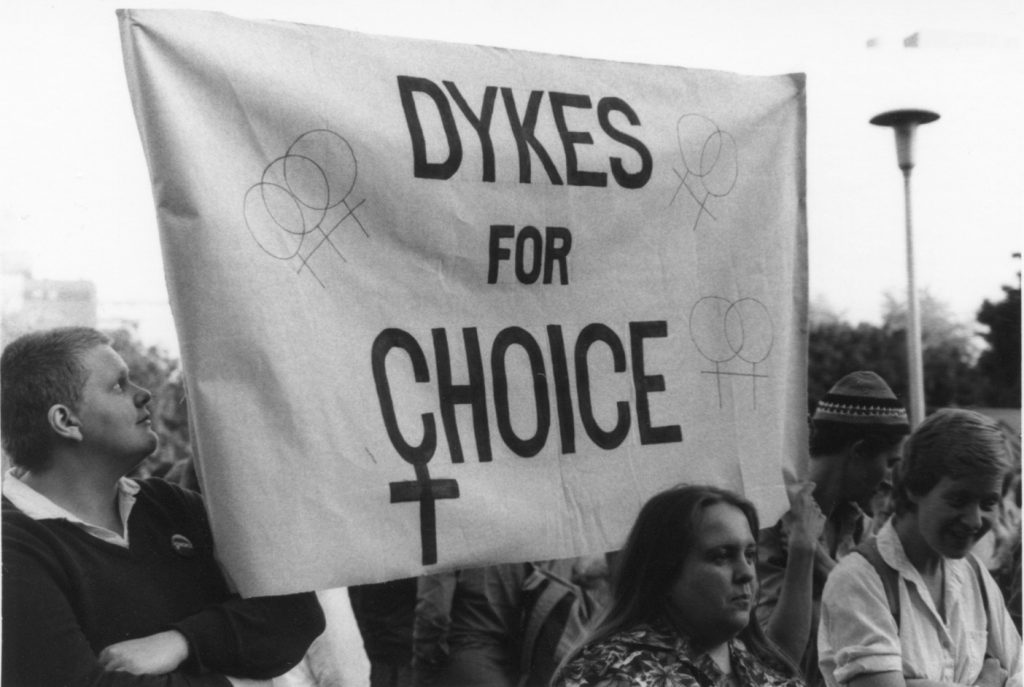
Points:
[(858, 635), (38, 507)]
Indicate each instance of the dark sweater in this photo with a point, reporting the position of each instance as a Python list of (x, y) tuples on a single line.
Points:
[(67, 595)]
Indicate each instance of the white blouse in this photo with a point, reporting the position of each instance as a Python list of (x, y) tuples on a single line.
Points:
[(857, 634)]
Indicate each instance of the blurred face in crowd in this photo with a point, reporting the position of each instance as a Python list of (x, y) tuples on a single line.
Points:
[(714, 593), (112, 414), (956, 513), (867, 471)]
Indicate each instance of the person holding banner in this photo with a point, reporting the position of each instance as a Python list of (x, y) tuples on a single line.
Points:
[(683, 597), (915, 606), (856, 433), (466, 625), (107, 580)]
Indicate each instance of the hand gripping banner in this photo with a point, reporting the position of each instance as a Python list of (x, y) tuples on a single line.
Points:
[(446, 305)]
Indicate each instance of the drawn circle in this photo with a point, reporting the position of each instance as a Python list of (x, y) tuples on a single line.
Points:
[(694, 128), (749, 330), (306, 179), (708, 153), (264, 206), (719, 164), (307, 186), (334, 156), (707, 331)]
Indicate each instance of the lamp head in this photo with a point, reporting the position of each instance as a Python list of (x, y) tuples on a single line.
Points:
[(904, 124)]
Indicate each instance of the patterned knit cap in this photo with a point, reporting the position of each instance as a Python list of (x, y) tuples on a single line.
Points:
[(862, 398)]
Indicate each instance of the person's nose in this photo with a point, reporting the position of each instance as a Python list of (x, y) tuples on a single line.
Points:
[(745, 570), (142, 396), (972, 516)]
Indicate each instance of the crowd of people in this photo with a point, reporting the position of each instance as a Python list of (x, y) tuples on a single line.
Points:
[(898, 563)]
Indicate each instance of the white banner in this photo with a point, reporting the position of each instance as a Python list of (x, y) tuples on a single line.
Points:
[(446, 305)]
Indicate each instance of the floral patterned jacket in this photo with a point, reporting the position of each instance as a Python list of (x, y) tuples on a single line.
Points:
[(656, 656)]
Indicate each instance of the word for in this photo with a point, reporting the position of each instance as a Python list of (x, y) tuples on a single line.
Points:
[(474, 392), (523, 130), (529, 249)]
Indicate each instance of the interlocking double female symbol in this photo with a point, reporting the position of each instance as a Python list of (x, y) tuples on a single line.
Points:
[(302, 198), (725, 331), (710, 161)]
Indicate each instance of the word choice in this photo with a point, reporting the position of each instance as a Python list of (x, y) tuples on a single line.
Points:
[(474, 392)]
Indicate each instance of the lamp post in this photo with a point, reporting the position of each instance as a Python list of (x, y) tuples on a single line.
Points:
[(904, 124)]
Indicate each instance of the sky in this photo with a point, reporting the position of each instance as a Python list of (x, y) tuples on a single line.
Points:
[(76, 201)]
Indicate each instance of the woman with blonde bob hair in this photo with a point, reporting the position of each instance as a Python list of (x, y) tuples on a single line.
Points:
[(682, 603), (915, 607)]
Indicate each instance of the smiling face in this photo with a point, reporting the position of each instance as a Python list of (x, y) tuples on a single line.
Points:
[(112, 414), (712, 597), (956, 513)]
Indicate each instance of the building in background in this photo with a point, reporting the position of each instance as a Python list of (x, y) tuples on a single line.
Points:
[(29, 304)]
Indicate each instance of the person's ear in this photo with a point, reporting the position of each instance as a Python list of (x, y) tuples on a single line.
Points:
[(64, 422), (857, 449)]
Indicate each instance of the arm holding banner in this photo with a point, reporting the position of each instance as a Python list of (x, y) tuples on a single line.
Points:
[(787, 582)]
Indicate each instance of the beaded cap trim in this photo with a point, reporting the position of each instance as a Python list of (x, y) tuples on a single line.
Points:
[(861, 398)]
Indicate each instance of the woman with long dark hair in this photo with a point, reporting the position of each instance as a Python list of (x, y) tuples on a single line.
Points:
[(682, 604)]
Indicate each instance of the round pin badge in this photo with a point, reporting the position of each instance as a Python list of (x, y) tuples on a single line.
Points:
[(182, 546)]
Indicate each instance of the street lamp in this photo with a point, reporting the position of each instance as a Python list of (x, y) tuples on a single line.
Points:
[(905, 123)]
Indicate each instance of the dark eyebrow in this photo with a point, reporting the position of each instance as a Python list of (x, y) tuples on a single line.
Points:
[(729, 548)]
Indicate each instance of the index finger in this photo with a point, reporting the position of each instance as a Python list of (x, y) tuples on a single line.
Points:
[(793, 485), (788, 476)]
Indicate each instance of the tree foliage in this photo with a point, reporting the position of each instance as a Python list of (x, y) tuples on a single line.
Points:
[(836, 348), (999, 366)]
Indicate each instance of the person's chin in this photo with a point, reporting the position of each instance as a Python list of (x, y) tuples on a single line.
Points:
[(150, 446), (739, 617), (957, 546), (736, 626)]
